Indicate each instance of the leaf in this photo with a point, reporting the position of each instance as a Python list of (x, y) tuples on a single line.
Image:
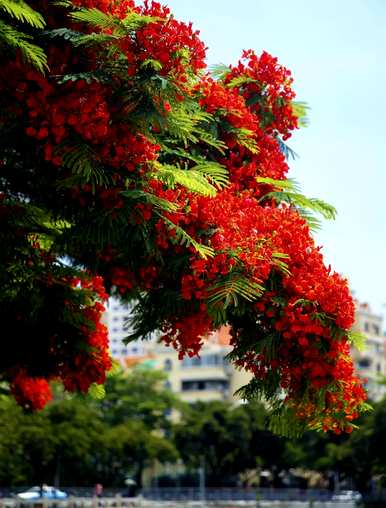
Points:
[(219, 71), (286, 150), (357, 340), (289, 193), (240, 80), (154, 64), (21, 11), (97, 391), (214, 172), (279, 184), (32, 55), (133, 21), (66, 33), (97, 18), (235, 285), (184, 238), (194, 181), (94, 39), (161, 203), (277, 260), (244, 137), (88, 77), (79, 158), (299, 109)]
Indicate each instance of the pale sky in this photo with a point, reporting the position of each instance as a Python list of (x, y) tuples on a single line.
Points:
[(336, 50)]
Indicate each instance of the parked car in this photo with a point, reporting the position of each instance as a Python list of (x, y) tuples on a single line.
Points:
[(347, 495), (42, 492)]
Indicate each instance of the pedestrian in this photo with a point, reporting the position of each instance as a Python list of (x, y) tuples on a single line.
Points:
[(98, 492)]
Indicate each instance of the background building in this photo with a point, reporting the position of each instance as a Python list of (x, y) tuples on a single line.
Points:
[(115, 318), (371, 362), (207, 377), (212, 377)]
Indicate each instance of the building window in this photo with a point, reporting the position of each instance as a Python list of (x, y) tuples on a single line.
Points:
[(376, 329), (205, 385), (168, 364), (366, 326), (378, 368), (210, 360), (364, 363)]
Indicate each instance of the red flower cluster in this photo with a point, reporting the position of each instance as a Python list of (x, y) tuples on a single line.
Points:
[(90, 364), (264, 77), (30, 392)]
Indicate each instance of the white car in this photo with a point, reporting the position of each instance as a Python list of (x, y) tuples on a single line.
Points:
[(347, 495), (42, 492)]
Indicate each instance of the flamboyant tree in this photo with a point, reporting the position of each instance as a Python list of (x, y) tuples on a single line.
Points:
[(128, 169)]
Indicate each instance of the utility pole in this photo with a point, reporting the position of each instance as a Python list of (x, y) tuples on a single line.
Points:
[(201, 473)]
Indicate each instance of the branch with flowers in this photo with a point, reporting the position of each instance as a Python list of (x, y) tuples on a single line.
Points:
[(129, 169)]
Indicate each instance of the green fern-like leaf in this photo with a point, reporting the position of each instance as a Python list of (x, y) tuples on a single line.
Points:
[(219, 71), (194, 181), (239, 81), (65, 33), (183, 238), (96, 391), (245, 138), (160, 203), (153, 64), (227, 291), (88, 77), (289, 183), (32, 55), (94, 39), (134, 21), (278, 260), (22, 12), (214, 172), (283, 422), (97, 18), (79, 158), (300, 111), (288, 192), (357, 340)]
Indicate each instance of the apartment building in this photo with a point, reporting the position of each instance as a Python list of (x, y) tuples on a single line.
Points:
[(115, 318), (212, 377), (207, 377), (371, 362)]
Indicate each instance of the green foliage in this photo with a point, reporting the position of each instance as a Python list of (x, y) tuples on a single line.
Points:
[(229, 439), (287, 191), (299, 109), (137, 395), (12, 37), (22, 12), (86, 439), (245, 138), (183, 238), (97, 18), (357, 339), (231, 287), (32, 54), (192, 179), (79, 158), (219, 71)]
